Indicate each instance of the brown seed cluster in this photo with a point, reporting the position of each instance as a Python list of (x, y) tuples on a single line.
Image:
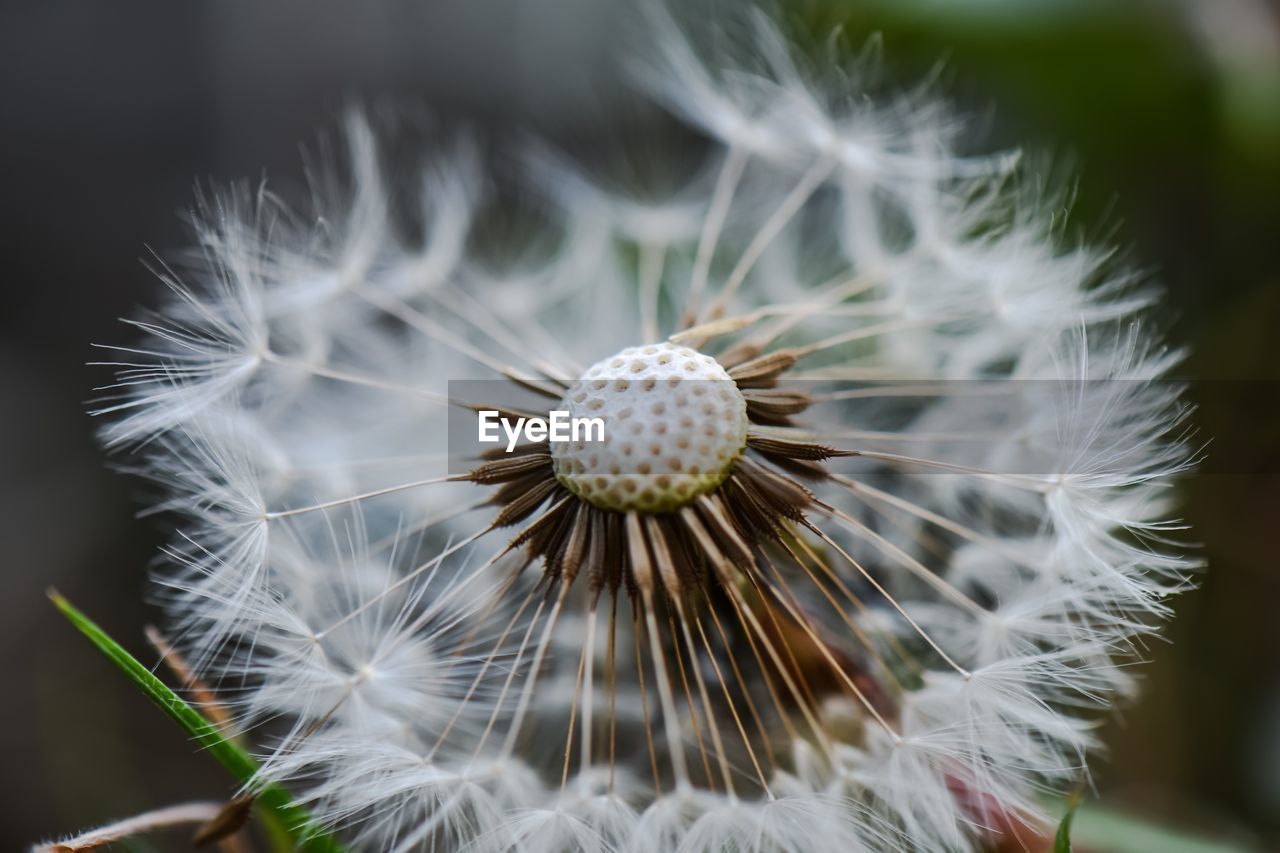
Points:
[(693, 530)]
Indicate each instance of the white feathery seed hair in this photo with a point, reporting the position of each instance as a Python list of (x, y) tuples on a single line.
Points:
[(880, 607)]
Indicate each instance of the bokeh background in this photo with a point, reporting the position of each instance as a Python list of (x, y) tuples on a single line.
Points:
[(1168, 109)]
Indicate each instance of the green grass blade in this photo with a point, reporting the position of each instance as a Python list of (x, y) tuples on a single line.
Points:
[(1062, 840), (274, 805)]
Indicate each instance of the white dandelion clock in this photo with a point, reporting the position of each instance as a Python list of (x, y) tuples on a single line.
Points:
[(878, 510)]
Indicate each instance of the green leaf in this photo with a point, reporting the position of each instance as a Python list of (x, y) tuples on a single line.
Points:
[(282, 818), (1062, 840)]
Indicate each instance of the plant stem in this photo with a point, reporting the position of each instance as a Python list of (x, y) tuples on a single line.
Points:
[(283, 819)]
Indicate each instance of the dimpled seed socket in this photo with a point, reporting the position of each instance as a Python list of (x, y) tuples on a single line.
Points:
[(674, 422)]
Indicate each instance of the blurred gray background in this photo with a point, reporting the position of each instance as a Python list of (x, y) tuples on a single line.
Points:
[(112, 112)]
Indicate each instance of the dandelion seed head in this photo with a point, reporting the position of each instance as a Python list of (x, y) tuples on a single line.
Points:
[(676, 422), (879, 517)]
